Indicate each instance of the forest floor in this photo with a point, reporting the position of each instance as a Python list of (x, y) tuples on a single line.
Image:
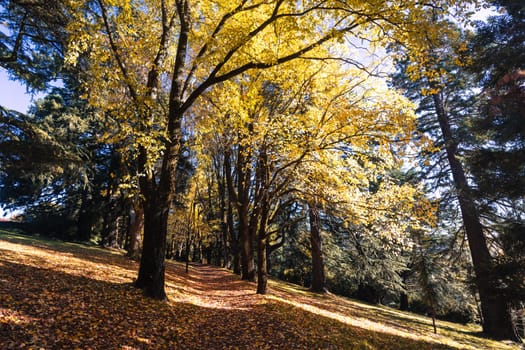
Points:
[(56, 295)]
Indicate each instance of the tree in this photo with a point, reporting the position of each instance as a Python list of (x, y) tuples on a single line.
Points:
[(55, 168), (497, 160), (180, 50), (450, 100), (436, 280), (32, 48), (425, 267), (316, 243), (40, 159), (324, 135), (58, 191)]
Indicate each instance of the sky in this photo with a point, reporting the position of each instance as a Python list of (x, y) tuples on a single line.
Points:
[(13, 94)]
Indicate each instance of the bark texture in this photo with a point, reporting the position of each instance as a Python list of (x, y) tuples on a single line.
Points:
[(497, 321), (318, 275)]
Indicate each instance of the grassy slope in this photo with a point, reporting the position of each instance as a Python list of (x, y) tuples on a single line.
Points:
[(57, 295)]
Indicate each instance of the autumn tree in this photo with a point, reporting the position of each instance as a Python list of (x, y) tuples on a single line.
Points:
[(151, 61), (320, 136), (250, 138)]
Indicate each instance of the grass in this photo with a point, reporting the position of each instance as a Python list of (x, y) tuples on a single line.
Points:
[(56, 295)]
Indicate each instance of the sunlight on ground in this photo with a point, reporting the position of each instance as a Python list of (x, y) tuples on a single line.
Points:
[(204, 297), (367, 324), (229, 294), (68, 263), (362, 315)]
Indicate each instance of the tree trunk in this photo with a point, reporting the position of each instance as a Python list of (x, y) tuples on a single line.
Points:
[(234, 235), (234, 239), (158, 198), (262, 264), (109, 228), (497, 320), (136, 230), (187, 252), (433, 312), (247, 264), (152, 262), (235, 242), (85, 217), (248, 232), (226, 243), (262, 272), (403, 301), (403, 296), (236, 259), (241, 200), (318, 276)]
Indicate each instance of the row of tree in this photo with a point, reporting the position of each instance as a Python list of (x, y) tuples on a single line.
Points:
[(261, 136)]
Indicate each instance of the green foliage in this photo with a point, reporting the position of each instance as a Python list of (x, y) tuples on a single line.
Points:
[(498, 47), (33, 39), (55, 169), (446, 92), (36, 163), (292, 261), (438, 279), (364, 264), (497, 160), (510, 266), (268, 85), (47, 155)]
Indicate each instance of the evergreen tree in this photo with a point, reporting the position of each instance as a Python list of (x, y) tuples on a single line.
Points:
[(53, 164), (497, 160), (32, 46), (446, 92)]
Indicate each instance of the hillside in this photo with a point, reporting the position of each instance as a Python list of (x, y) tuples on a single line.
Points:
[(56, 295)]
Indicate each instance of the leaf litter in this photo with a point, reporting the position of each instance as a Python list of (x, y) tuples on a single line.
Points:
[(69, 296)]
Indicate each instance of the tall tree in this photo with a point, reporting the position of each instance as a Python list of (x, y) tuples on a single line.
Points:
[(46, 157), (451, 102), (32, 48), (316, 242), (319, 134), (497, 161), (142, 50)]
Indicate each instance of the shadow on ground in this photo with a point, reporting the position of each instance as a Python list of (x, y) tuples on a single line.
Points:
[(60, 296)]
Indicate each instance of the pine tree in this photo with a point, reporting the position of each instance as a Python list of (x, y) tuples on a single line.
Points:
[(448, 96), (497, 160)]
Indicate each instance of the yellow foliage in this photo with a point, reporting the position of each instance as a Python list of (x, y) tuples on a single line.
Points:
[(328, 130), (286, 77)]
